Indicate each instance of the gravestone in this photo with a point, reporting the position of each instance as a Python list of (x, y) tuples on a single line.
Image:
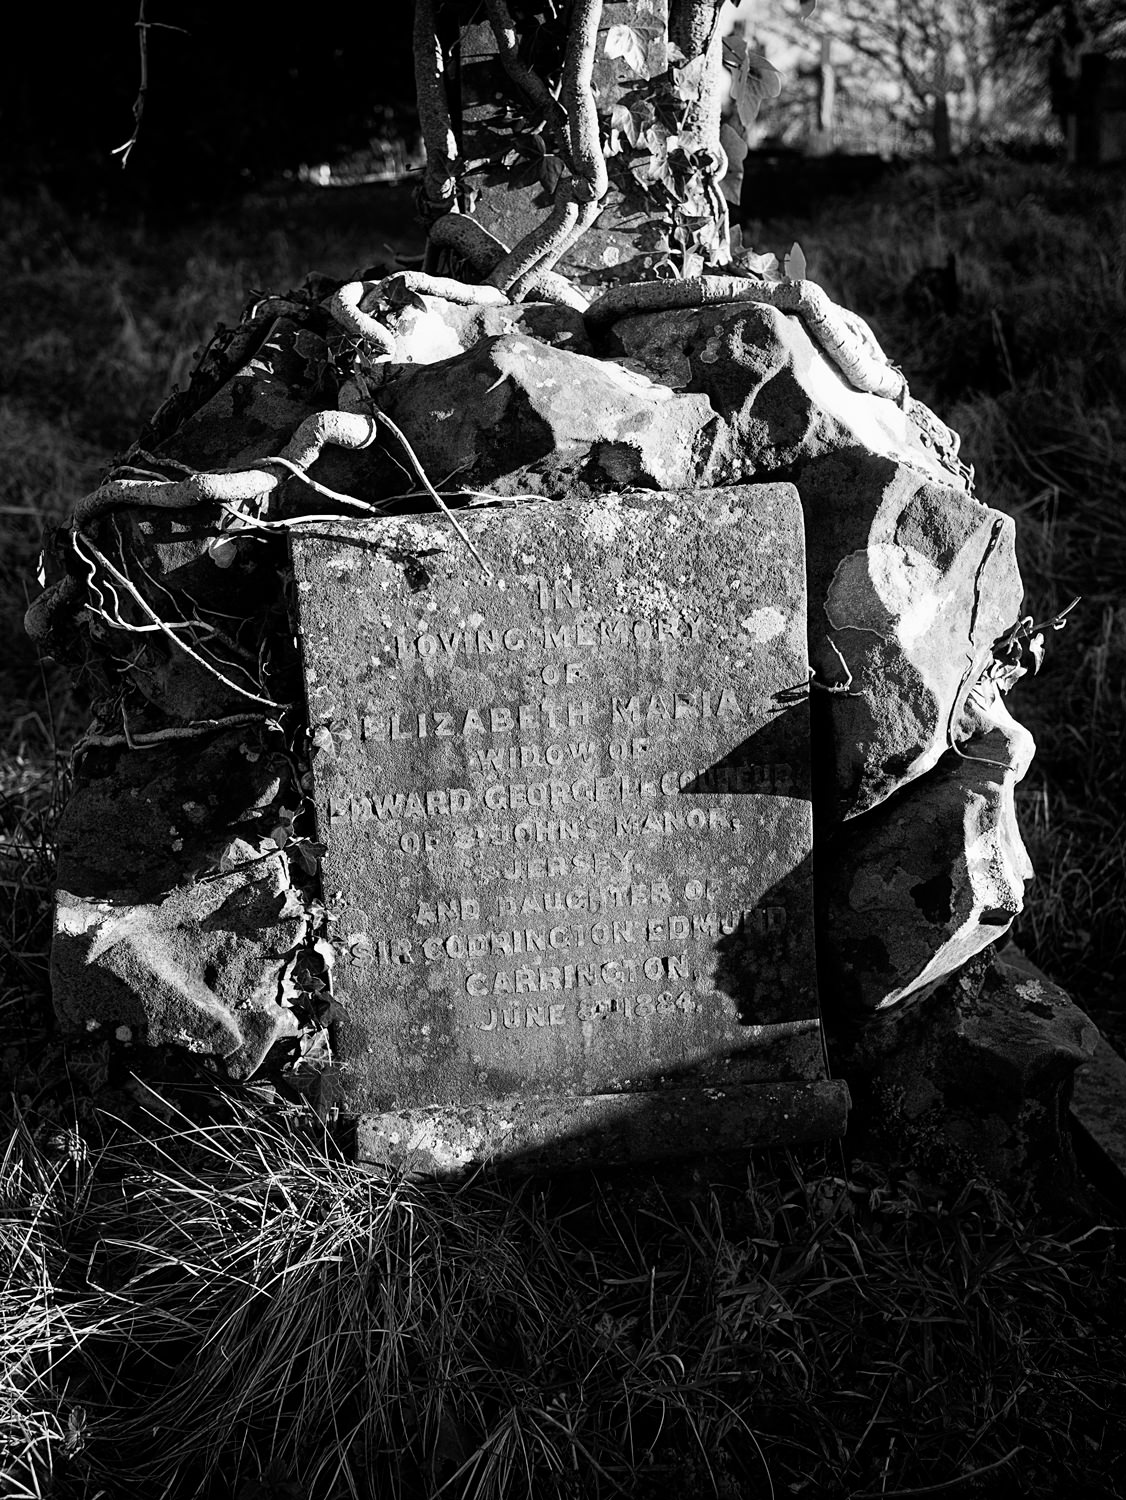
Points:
[(563, 782)]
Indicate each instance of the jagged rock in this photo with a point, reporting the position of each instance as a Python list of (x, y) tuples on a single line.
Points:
[(914, 889), (141, 821), (910, 579), (199, 969), (169, 923), (911, 583), (519, 415), (779, 400), (429, 329)]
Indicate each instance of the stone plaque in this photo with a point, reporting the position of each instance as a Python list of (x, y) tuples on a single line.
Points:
[(566, 804)]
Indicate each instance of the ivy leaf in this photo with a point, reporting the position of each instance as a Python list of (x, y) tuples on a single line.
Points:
[(646, 169), (527, 175), (551, 170), (222, 551), (1036, 651), (708, 236), (734, 50), (756, 80), (625, 123), (655, 138), (690, 75), (793, 263), (399, 295), (629, 45), (765, 263), (306, 853)]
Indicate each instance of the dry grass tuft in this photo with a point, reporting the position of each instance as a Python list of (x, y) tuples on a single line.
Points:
[(204, 1303)]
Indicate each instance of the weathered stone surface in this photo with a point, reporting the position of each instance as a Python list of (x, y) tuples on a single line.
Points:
[(149, 935), (913, 583), (1096, 1108), (429, 329), (550, 1132), (518, 415), (911, 580), (198, 970), (566, 806), (779, 400), (917, 887)]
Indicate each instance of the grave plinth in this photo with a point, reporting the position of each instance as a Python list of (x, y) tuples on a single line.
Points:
[(568, 828)]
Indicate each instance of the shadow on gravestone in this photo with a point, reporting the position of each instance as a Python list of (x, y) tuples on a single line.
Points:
[(545, 817)]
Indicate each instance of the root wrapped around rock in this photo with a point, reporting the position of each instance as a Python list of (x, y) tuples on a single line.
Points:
[(842, 337), (483, 252)]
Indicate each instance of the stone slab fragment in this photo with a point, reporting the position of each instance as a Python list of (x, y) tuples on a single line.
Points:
[(566, 802), (603, 1129)]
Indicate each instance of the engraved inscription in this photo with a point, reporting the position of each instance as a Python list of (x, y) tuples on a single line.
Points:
[(567, 819)]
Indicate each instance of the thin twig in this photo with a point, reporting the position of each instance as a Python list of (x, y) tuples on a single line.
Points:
[(125, 150), (143, 29), (322, 489), (196, 730), (416, 465), (166, 630)]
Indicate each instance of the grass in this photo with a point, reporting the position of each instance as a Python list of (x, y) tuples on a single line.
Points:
[(217, 1307), (203, 1298)]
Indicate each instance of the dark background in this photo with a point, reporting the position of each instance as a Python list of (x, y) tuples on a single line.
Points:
[(239, 93)]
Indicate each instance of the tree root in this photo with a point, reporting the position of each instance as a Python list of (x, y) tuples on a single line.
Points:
[(842, 337), (576, 204), (530, 84), (438, 193), (542, 247), (347, 310), (483, 252), (338, 428), (577, 97), (692, 24), (341, 429), (198, 729)]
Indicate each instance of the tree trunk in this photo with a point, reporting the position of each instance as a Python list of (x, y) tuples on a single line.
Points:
[(826, 99)]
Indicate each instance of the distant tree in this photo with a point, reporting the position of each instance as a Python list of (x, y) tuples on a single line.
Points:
[(935, 69)]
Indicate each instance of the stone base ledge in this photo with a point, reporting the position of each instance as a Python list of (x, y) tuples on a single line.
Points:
[(527, 1134)]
